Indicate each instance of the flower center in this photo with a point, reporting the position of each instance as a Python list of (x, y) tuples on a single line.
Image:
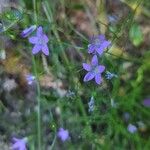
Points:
[(95, 69), (41, 41), (97, 42)]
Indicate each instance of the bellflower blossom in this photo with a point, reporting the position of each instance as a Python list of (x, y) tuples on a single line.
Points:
[(91, 104), (146, 102), (94, 70), (98, 44), (26, 32), (40, 42), (30, 78), (19, 144), (63, 134), (132, 128)]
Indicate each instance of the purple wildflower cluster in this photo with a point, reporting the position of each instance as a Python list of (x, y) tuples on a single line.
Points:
[(40, 40), (97, 45), (21, 144)]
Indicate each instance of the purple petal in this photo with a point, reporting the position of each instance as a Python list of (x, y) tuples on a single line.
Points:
[(39, 31), (45, 38), (94, 61), (15, 139), (91, 48), (105, 44), (100, 50), (33, 40), (36, 49), (146, 102), (101, 37), (98, 79), (26, 32), (87, 67), (14, 146), (101, 68), (88, 76), (45, 49)]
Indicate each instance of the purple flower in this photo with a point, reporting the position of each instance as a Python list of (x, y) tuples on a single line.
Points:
[(132, 128), (91, 104), (30, 78), (26, 32), (98, 44), (19, 144), (40, 42), (146, 102), (63, 134), (94, 70)]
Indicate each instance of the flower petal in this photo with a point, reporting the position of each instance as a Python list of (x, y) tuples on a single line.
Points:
[(100, 50), (94, 61), (14, 146), (101, 68), (98, 78), (87, 67), (45, 49), (33, 40), (91, 48), (36, 49), (146, 102), (45, 38), (26, 32), (105, 44), (88, 76), (101, 37), (39, 31)]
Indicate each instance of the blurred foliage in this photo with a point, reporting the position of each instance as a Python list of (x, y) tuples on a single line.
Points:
[(136, 35)]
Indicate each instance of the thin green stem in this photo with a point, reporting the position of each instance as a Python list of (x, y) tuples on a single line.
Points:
[(38, 86), (38, 104)]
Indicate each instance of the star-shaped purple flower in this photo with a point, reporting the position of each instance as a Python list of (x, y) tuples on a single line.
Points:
[(98, 44), (94, 70), (63, 134), (40, 42), (19, 144)]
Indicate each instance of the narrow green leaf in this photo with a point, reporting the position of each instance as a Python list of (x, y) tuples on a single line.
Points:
[(136, 35)]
